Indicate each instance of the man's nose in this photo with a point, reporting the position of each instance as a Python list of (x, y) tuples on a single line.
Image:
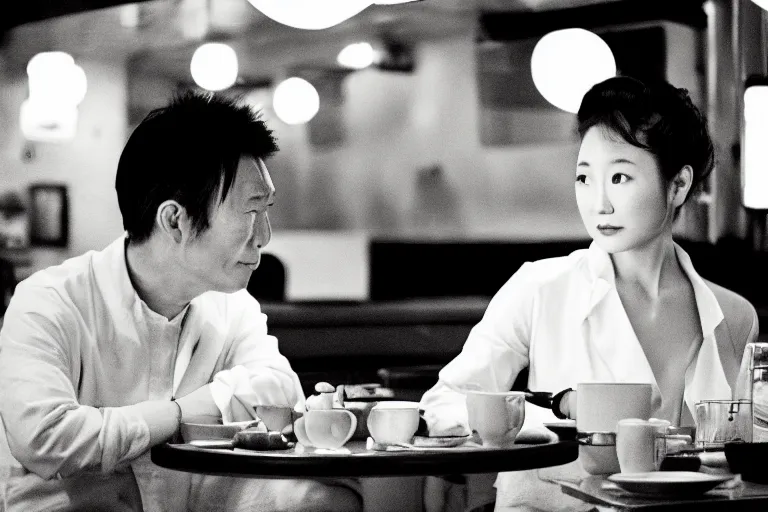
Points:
[(262, 232)]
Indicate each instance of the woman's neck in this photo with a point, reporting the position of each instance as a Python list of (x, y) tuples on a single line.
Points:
[(651, 267)]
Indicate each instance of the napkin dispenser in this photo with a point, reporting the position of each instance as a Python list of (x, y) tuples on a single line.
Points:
[(752, 384)]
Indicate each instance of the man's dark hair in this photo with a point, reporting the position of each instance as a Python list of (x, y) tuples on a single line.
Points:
[(186, 151), (655, 116)]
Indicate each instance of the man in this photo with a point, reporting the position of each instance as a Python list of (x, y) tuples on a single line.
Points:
[(103, 356)]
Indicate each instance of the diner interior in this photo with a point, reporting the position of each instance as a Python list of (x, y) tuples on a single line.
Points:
[(429, 168)]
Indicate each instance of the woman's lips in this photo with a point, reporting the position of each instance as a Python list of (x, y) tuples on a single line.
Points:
[(608, 230)]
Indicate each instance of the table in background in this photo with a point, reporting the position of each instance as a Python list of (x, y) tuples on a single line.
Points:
[(745, 497), (360, 462)]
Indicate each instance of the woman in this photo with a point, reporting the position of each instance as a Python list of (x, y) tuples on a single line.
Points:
[(631, 308)]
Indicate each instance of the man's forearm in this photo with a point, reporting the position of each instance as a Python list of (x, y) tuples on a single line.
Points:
[(198, 403), (164, 416)]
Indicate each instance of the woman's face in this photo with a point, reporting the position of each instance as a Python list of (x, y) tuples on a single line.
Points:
[(623, 199)]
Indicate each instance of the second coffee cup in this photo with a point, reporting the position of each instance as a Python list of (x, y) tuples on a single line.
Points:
[(636, 445), (393, 422)]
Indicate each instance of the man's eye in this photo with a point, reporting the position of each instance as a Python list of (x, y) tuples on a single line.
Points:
[(581, 178), (619, 178)]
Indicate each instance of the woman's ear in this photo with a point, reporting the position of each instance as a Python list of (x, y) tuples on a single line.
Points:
[(680, 186), (170, 220)]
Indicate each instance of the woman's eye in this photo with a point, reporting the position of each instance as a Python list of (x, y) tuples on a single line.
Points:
[(581, 178), (619, 178)]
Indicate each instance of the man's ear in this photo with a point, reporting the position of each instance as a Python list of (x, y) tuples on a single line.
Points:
[(680, 185), (170, 220)]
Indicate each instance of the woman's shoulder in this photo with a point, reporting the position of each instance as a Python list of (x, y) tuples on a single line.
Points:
[(740, 319), (553, 270), (738, 312), (549, 276)]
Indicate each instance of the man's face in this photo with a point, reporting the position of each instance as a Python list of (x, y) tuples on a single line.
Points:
[(622, 197), (223, 256)]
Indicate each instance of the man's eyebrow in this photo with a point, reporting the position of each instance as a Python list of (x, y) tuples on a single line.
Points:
[(582, 164), (622, 161)]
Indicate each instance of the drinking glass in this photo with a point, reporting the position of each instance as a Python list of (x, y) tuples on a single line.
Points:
[(721, 421)]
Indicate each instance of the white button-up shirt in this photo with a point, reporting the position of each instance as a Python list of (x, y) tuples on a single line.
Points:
[(78, 347), (564, 320)]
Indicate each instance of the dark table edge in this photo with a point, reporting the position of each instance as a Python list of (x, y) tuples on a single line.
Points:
[(228, 463)]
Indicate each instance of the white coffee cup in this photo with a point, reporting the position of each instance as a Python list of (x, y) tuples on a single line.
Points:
[(393, 422), (497, 417), (327, 428), (599, 407), (636, 445)]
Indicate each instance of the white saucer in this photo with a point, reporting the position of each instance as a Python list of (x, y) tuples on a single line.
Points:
[(668, 483), (439, 441)]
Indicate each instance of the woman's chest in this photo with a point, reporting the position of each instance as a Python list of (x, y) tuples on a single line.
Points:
[(607, 342), (668, 330)]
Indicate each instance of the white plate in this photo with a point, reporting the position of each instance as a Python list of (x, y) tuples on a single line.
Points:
[(668, 483)]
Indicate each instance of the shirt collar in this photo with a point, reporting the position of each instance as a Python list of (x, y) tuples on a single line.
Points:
[(111, 269), (602, 278)]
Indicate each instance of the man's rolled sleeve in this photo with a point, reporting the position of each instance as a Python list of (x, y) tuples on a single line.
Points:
[(48, 431)]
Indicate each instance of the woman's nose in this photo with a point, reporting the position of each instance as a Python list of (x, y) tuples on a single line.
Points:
[(602, 203)]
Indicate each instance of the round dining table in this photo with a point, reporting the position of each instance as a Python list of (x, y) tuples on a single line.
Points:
[(355, 459)]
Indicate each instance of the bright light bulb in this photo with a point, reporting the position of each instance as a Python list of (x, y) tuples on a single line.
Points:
[(55, 79), (76, 85), (295, 101), (214, 66), (315, 14), (565, 64), (755, 149), (356, 56)]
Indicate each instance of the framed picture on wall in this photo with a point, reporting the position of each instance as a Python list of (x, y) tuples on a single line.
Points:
[(48, 215)]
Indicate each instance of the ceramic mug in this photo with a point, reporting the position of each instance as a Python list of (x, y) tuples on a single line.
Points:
[(637, 445), (393, 422), (300, 431), (599, 408), (497, 417), (326, 428)]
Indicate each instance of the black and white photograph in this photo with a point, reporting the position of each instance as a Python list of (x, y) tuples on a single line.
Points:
[(384, 255)]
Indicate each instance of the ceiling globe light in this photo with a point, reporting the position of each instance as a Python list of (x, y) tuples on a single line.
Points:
[(314, 14), (214, 66), (295, 101), (755, 160), (565, 64), (356, 56), (54, 78)]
